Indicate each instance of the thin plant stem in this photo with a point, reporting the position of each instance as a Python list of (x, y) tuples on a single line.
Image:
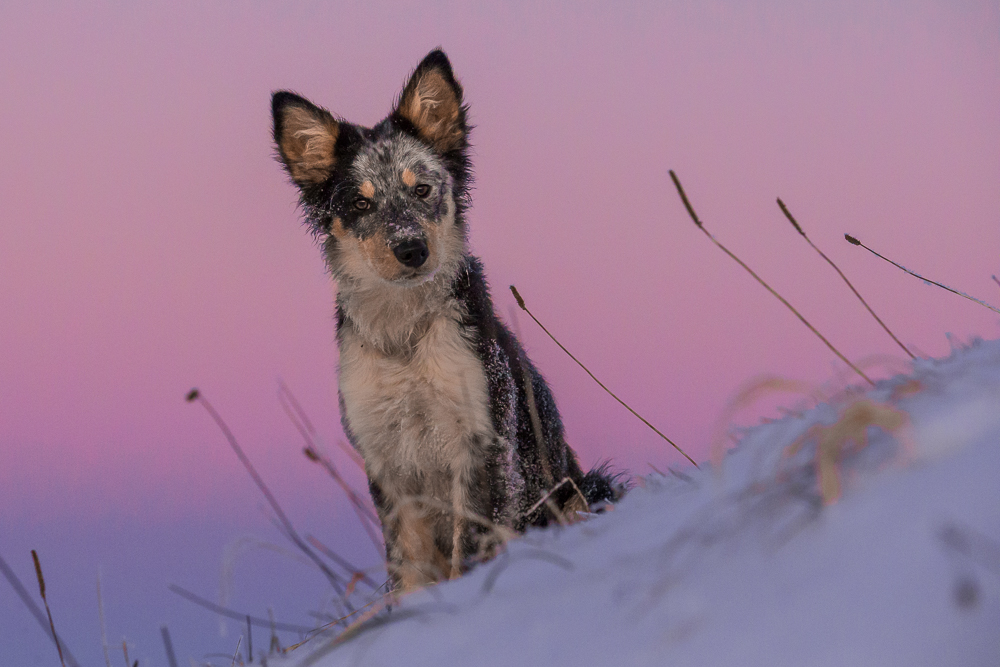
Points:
[(195, 395), (237, 652), (698, 223), (22, 593), (236, 615), (788, 214), (342, 562), (369, 522), (104, 627), (286, 394), (41, 589), (854, 241), (520, 303), (312, 453), (168, 646)]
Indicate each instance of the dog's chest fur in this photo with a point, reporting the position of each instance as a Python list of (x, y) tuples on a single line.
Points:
[(414, 392)]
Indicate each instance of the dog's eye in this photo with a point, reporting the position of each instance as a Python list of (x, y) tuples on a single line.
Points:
[(362, 204), (422, 190)]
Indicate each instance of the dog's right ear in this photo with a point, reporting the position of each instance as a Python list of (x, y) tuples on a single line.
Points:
[(432, 103), (305, 135)]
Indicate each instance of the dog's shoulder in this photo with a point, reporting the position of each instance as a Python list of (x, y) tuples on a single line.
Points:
[(472, 292), (494, 341), (504, 361)]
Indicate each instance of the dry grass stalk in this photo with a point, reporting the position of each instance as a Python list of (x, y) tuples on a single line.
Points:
[(285, 395), (854, 241), (357, 574), (286, 524), (536, 422), (747, 395), (835, 440), (698, 223), (369, 610), (41, 589), (567, 514), (104, 627), (22, 593), (237, 652), (369, 521), (236, 615), (168, 646), (520, 303), (788, 214)]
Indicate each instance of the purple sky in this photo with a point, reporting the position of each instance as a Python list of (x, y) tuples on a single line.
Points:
[(149, 243)]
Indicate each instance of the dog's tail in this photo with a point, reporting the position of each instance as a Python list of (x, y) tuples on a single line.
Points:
[(603, 484)]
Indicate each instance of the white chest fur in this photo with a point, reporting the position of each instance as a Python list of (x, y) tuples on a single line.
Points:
[(424, 414)]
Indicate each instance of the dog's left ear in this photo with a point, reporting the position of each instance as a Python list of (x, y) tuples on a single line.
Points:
[(432, 102), (305, 135)]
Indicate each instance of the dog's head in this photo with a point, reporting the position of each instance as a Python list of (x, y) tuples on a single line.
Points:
[(389, 200)]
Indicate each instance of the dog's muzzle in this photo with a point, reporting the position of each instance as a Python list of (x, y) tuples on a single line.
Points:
[(411, 252)]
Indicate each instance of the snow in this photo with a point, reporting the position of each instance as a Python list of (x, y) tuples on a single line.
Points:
[(748, 565)]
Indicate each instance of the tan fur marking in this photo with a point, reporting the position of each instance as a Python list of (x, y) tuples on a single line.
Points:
[(337, 229), (306, 143), (433, 108), (380, 257), (458, 508), (367, 190), (409, 178), (422, 561)]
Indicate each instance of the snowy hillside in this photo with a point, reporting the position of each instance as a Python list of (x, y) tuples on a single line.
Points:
[(749, 565)]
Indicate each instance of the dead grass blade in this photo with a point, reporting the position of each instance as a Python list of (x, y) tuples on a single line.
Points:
[(520, 303), (847, 435), (788, 214), (560, 515), (236, 615), (285, 394), (751, 392), (195, 395), (168, 646), (369, 521), (22, 593), (104, 627), (698, 223), (236, 653), (357, 574), (854, 241), (41, 589)]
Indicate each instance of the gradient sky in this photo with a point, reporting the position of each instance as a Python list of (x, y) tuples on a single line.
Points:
[(149, 243)]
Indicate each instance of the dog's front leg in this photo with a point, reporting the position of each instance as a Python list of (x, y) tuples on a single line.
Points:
[(459, 507), (388, 517)]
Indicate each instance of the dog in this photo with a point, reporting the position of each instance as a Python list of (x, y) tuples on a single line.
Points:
[(460, 435)]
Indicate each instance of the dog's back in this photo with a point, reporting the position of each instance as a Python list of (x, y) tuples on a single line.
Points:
[(460, 434)]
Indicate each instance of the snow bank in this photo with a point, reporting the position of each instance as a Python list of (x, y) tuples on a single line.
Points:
[(749, 566)]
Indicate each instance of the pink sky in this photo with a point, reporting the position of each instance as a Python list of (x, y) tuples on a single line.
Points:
[(149, 243)]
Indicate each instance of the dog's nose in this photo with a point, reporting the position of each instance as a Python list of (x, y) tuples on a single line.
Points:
[(411, 253)]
